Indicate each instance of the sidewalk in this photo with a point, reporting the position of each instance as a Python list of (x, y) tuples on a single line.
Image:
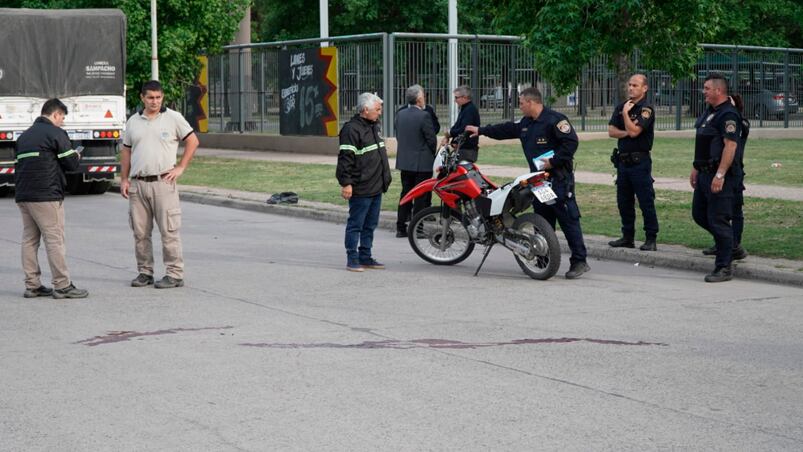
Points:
[(781, 271)]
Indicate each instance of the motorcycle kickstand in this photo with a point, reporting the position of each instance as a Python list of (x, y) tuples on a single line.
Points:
[(484, 256)]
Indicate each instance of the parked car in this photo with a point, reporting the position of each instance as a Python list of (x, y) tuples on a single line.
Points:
[(767, 101)]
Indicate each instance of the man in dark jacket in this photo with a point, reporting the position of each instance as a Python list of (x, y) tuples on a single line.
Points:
[(43, 154), (363, 173), (469, 116), (415, 153)]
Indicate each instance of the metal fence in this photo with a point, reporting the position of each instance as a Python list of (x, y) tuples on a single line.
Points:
[(244, 81)]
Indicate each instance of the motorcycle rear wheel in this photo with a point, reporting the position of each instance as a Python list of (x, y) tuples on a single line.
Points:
[(544, 266), (426, 234)]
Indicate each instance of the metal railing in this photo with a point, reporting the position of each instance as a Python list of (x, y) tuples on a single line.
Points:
[(244, 81)]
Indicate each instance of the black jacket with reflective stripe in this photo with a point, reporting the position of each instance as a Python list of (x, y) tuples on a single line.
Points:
[(363, 159), (43, 153)]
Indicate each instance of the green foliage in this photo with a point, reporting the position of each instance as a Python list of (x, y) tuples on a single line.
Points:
[(566, 35), (294, 19), (761, 23), (187, 28)]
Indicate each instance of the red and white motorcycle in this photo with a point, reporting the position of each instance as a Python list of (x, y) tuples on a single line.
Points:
[(475, 211)]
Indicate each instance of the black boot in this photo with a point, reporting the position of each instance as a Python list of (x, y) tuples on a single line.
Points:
[(720, 274), (649, 245), (577, 269), (739, 253), (624, 242), (710, 251)]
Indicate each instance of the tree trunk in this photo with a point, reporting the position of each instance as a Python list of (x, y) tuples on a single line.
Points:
[(623, 72)]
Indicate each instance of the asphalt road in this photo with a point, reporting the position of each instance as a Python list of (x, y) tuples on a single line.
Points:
[(272, 345)]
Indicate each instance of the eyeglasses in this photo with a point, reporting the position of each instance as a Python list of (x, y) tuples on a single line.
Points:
[(458, 97)]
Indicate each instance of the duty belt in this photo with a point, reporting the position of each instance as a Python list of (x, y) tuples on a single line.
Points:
[(706, 167), (632, 158)]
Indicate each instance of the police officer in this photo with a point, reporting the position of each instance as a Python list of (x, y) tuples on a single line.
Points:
[(542, 130), (715, 176), (737, 222), (633, 124)]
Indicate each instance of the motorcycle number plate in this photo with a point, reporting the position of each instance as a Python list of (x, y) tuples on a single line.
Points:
[(544, 194)]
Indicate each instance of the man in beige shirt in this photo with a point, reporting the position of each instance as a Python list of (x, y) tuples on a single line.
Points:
[(148, 180)]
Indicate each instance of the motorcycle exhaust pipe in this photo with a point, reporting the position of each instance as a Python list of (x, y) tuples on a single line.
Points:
[(519, 244)]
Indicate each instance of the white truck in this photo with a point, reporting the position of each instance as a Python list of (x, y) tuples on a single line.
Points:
[(77, 55)]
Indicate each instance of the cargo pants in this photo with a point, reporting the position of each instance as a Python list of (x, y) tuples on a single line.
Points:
[(156, 201)]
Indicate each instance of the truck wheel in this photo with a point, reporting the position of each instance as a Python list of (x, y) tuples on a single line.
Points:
[(76, 184), (99, 187), (5, 191)]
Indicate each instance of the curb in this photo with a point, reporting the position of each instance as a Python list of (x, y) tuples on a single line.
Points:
[(780, 271)]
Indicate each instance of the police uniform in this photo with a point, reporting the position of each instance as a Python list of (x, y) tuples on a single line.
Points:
[(738, 202), (551, 131), (634, 170), (713, 211)]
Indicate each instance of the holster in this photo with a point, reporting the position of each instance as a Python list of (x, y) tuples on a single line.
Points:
[(615, 157)]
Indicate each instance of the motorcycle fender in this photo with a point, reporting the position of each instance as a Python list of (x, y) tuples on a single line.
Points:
[(419, 191), (498, 198)]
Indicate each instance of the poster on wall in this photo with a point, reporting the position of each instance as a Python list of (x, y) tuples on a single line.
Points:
[(308, 90)]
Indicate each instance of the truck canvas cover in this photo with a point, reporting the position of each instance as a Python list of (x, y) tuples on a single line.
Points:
[(62, 53)]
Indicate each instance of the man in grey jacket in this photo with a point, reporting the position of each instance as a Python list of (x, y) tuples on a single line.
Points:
[(415, 153)]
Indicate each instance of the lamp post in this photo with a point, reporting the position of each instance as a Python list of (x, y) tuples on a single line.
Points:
[(154, 51)]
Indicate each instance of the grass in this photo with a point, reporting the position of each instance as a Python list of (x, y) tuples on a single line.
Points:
[(672, 157), (772, 227)]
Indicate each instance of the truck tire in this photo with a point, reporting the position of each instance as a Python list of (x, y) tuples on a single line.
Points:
[(76, 184), (99, 187), (5, 191)]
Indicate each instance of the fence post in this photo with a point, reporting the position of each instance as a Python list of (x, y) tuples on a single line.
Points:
[(387, 81), (581, 99), (222, 107), (240, 92), (678, 105), (475, 63), (262, 92), (786, 89)]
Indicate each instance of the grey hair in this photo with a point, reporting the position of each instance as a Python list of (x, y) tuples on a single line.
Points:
[(366, 100), (412, 93), (463, 90)]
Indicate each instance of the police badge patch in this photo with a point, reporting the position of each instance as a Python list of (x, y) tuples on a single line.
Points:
[(646, 113), (730, 126), (564, 126)]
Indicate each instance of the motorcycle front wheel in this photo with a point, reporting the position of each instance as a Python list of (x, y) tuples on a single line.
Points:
[(437, 243), (546, 262)]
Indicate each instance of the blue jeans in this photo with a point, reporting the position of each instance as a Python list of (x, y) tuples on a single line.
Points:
[(363, 219), (635, 181)]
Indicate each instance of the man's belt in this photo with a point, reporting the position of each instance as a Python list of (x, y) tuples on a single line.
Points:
[(149, 178)]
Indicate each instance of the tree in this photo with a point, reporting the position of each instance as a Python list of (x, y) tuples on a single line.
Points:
[(566, 35), (760, 23), (187, 28), (277, 20)]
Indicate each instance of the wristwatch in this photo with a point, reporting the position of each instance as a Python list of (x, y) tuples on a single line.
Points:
[(719, 175)]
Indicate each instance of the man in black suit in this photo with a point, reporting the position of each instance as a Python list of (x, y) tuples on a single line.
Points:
[(415, 153), (469, 116)]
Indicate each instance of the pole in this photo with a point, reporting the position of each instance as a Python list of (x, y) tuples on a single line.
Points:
[(452, 54), (154, 50), (324, 15)]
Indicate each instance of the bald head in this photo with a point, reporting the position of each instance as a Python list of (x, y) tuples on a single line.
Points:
[(637, 87)]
